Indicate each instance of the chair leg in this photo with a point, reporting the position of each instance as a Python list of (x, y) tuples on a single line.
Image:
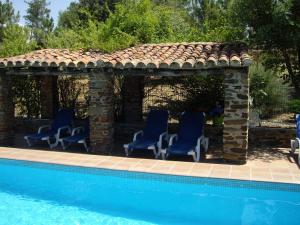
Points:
[(155, 151), (85, 146), (158, 153), (166, 156), (293, 146), (206, 142), (126, 151), (28, 141), (196, 155), (54, 144)]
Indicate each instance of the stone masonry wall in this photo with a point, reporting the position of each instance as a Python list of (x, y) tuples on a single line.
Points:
[(101, 112), (133, 95), (48, 96), (6, 110), (271, 137), (236, 114)]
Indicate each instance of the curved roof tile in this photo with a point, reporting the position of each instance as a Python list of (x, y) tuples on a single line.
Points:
[(196, 55)]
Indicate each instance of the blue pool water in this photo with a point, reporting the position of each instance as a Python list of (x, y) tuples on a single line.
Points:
[(36, 193)]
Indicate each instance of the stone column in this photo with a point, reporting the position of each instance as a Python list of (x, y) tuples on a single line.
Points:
[(133, 94), (6, 110), (49, 96), (101, 111), (236, 115)]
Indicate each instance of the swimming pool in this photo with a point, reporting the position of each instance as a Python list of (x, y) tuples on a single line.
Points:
[(38, 193)]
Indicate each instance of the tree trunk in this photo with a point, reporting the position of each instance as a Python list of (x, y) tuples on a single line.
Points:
[(292, 74)]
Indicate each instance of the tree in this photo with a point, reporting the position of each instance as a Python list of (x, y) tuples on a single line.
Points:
[(79, 14), (132, 22), (7, 16), (39, 21), (15, 41), (273, 26)]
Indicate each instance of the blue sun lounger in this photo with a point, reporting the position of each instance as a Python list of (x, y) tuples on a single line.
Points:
[(60, 125), (295, 144), (190, 137), (152, 136), (80, 135)]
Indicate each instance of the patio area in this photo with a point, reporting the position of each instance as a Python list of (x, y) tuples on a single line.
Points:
[(230, 61), (271, 165)]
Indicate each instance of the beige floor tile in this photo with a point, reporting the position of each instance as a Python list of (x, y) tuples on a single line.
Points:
[(280, 170), (220, 173), (221, 167), (200, 173), (260, 176), (279, 177), (244, 175), (162, 168)]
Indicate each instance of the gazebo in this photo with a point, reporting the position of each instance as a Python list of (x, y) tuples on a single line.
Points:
[(175, 59)]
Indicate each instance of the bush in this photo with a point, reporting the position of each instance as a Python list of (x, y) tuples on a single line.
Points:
[(185, 93), (270, 96), (294, 106)]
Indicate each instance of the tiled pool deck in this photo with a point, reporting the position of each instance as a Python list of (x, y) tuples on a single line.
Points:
[(271, 165)]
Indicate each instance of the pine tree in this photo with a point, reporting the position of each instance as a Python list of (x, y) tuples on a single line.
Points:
[(39, 21), (7, 16)]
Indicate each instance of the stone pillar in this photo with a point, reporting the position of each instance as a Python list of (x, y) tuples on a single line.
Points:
[(6, 110), (236, 115), (49, 96), (101, 111), (133, 94)]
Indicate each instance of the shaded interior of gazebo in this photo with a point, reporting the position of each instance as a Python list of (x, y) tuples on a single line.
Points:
[(163, 60)]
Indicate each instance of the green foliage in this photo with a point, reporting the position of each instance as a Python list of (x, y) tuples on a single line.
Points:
[(269, 95), (7, 16), (26, 91), (203, 92), (294, 106), (274, 26), (79, 14), (187, 93), (131, 23), (70, 90), (15, 41), (7, 13), (39, 21)]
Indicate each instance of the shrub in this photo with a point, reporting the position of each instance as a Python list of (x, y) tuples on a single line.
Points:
[(270, 96), (294, 106)]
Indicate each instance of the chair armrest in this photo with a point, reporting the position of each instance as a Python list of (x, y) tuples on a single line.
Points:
[(68, 128), (137, 134), (161, 137), (41, 128), (173, 137), (77, 130)]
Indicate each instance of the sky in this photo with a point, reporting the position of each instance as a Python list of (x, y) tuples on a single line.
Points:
[(55, 6)]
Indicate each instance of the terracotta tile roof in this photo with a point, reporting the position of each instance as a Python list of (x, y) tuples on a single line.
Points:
[(169, 56)]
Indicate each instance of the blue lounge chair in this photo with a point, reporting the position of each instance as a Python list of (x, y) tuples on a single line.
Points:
[(60, 126), (79, 135), (295, 144), (152, 136), (190, 138)]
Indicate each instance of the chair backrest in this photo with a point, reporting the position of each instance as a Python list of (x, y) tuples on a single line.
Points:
[(64, 117), (191, 127), (298, 125), (156, 124)]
